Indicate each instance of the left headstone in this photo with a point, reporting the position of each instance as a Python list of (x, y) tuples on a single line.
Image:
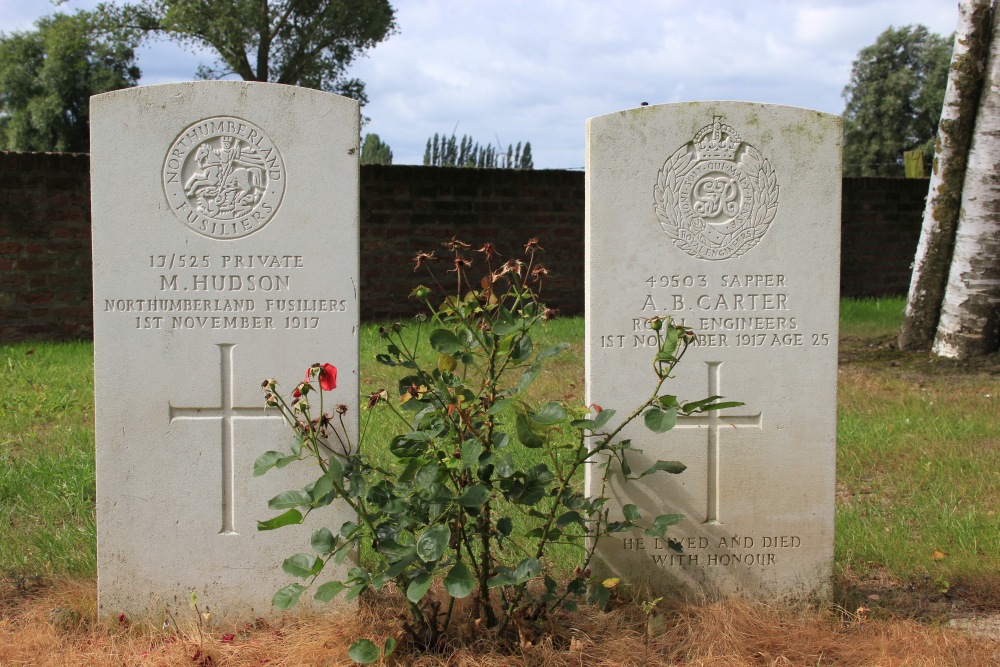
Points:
[(225, 242)]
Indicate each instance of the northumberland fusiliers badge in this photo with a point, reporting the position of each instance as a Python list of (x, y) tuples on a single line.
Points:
[(717, 195)]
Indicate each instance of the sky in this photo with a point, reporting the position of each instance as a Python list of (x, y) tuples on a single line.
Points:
[(505, 71)]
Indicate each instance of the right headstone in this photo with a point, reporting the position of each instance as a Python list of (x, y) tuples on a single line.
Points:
[(724, 216)]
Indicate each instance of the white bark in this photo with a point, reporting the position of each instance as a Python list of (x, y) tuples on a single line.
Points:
[(970, 312), (937, 234)]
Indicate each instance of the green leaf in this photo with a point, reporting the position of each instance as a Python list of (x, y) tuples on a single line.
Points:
[(600, 596), (459, 582), (660, 421), (426, 476), (504, 328), (323, 541), (631, 512), (302, 565), (526, 569), (721, 406), (363, 652), (603, 417), (668, 401), (323, 486), (474, 496), (328, 591), (445, 341), (433, 542), (418, 587), (471, 451), (265, 462), (551, 413), (522, 351), (688, 408), (390, 646), (286, 499), (673, 467), (500, 406), (287, 596), (528, 377), (662, 522), (552, 351), (526, 435), (505, 465), (288, 518), (626, 468), (505, 526), (569, 518), (669, 346)]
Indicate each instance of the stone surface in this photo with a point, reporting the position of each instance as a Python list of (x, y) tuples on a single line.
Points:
[(225, 241), (726, 216)]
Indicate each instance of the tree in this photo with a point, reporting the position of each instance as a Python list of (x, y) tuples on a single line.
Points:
[(444, 151), (969, 325), (47, 76), (894, 100), (375, 151), (306, 43), (955, 130)]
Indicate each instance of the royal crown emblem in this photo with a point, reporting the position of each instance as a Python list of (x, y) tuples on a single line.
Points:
[(716, 196)]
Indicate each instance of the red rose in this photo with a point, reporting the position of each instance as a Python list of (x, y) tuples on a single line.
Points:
[(328, 377)]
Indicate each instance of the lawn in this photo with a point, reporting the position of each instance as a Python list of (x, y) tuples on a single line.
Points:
[(918, 469)]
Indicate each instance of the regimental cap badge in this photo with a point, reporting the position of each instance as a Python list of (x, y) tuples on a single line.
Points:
[(716, 196)]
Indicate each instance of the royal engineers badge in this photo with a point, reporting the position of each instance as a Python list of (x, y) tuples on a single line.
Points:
[(716, 196)]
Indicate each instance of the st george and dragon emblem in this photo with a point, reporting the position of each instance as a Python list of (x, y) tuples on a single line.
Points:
[(223, 177)]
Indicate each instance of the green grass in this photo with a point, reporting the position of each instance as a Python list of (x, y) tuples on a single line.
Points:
[(918, 455), (918, 467), (47, 459), (871, 318)]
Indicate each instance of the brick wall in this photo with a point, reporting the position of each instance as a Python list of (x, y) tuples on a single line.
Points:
[(45, 281), (880, 227), (406, 209), (45, 284)]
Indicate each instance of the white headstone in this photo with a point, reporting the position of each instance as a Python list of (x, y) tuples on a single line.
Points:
[(724, 216), (225, 240)]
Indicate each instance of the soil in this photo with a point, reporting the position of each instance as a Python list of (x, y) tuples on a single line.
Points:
[(883, 352)]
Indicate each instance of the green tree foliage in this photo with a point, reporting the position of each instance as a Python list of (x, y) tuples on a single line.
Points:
[(375, 151), (445, 151), (306, 43), (47, 76), (894, 100)]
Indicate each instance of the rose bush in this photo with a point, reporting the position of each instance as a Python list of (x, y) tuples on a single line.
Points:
[(463, 475)]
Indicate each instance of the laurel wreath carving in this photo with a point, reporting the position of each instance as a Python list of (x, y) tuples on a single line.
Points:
[(666, 200)]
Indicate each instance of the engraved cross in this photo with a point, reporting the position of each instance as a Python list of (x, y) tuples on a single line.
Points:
[(713, 421), (226, 414)]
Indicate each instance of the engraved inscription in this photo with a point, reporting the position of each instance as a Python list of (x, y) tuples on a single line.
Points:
[(721, 551), (223, 177), (186, 299), (752, 310), (716, 196)]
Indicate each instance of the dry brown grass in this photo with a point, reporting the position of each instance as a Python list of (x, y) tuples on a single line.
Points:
[(56, 625)]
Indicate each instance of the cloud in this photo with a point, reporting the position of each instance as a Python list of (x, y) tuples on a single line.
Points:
[(526, 70)]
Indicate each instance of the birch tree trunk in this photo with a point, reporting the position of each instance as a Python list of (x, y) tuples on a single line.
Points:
[(937, 234), (969, 324)]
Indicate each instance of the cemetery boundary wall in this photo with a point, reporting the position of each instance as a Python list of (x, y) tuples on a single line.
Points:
[(45, 262)]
